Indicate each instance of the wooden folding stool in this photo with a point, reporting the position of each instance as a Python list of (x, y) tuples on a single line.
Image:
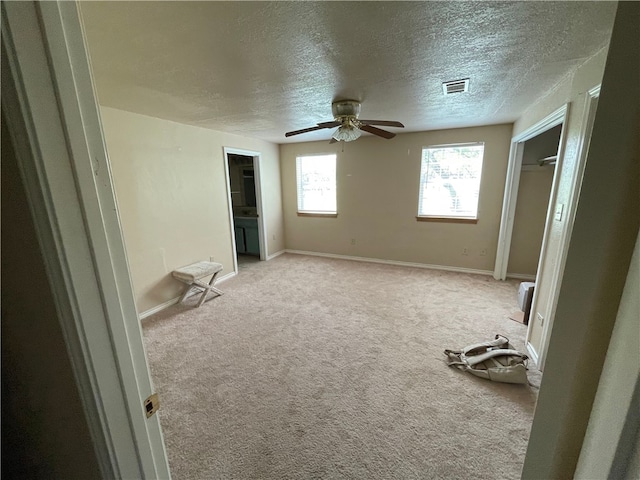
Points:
[(193, 276)]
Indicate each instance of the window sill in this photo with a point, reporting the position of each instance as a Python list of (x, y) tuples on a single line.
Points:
[(317, 214), (448, 219)]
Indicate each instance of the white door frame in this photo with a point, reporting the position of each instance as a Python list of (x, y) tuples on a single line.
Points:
[(54, 123), (591, 103), (262, 226), (512, 183)]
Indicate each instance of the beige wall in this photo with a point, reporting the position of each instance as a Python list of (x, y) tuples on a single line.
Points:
[(573, 89), (44, 429), (599, 258), (619, 379), (529, 220), (377, 183), (171, 190)]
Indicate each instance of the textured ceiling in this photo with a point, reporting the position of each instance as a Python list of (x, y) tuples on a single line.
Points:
[(260, 69)]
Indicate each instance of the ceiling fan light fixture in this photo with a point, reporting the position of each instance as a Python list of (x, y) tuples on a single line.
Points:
[(345, 117), (346, 133)]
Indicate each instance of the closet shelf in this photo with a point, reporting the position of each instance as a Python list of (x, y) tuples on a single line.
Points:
[(551, 160)]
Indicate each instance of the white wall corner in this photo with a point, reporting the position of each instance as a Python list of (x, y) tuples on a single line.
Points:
[(277, 254)]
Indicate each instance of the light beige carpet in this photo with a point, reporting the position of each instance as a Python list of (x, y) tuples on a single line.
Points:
[(314, 368)]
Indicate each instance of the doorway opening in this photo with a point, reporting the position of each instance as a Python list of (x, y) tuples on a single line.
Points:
[(245, 206), (516, 160), (538, 166), (534, 212), (539, 140), (538, 151)]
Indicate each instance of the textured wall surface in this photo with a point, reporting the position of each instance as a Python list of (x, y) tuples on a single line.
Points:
[(171, 190), (377, 183)]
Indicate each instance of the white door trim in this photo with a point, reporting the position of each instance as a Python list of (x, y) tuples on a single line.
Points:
[(54, 123), (540, 271), (512, 183), (556, 275), (262, 226), (234, 248)]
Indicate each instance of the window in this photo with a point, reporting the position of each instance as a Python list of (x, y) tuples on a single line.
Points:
[(316, 177), (450, 181)]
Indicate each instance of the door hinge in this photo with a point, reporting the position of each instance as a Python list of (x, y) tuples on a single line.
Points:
[(151, 404)]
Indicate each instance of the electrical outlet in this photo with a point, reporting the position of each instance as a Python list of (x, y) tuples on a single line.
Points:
[(353, 241), (465, 251), (483, 252), (211, 259), (540, 319), (274, 237)]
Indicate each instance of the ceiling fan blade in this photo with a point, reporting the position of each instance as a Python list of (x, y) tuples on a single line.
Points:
[(384, 123), (304, 130), (333, 140), (330, 124), (319, 126), (377, 131)]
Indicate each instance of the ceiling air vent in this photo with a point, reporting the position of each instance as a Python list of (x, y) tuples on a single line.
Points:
[(456, 86)]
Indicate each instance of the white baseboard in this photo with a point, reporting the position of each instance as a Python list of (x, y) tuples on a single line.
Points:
[(277, 254), (522, 276), (226, 277), (173, 301), (393, 262), (532, 353), (159, 308)]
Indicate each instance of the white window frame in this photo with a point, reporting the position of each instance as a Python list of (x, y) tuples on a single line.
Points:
[(448, 217), (316, 212)]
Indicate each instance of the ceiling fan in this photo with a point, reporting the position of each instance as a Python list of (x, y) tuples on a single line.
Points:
[(345, 114)]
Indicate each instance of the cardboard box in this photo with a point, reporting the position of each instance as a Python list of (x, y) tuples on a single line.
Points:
[(525, 296)]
